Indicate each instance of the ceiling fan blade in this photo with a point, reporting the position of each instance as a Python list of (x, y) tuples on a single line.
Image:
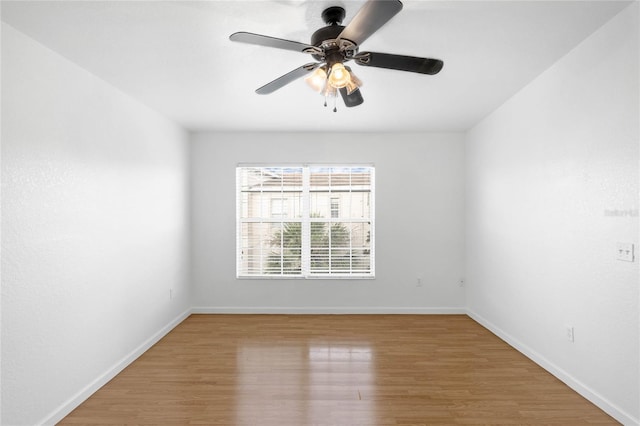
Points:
[(287, 78), (400, 62), (263, 40), (353, 99), (369, 19)]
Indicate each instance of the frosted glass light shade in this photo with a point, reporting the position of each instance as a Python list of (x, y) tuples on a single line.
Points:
[(330, 91), (354, 82), (317, 79)]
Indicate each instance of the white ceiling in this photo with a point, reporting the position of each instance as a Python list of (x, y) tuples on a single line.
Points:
[(176, 57)]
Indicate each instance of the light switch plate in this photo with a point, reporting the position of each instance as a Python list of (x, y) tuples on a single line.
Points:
[(570, 333), (624, 252)]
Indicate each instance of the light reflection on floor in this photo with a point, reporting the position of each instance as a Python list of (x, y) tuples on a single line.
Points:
[(342, 380), (317, 384)]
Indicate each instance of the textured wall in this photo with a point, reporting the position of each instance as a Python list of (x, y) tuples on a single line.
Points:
[(94, 228), (552, 186), (419, 199)]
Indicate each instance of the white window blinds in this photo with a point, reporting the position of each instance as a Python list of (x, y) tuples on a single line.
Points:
[(305, 221)]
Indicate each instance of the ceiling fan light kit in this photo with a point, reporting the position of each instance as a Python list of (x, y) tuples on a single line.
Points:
[(317, 79), (334, 45), (354, 82)]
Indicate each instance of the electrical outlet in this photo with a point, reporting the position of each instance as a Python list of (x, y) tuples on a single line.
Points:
[(170, 293), (570, 333), (419, 282), (624, 252)]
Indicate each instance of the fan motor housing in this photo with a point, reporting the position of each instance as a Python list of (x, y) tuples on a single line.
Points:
[(332, 16), (326, 33)]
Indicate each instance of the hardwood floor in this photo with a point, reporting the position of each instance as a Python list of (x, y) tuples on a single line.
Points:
[(334, 370)]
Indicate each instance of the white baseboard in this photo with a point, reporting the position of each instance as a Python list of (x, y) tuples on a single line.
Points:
[(575, 384), (72, 403), (326, 310)]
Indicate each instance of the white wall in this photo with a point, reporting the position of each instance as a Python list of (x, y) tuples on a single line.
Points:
[(552, 186), (94, 230), (419, 205)]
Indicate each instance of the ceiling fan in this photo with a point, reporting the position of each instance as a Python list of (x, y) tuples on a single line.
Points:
[(334, 45)]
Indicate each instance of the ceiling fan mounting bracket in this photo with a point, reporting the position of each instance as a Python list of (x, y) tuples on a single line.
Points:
[(363, 58), (348, 48), (314, 50), (336, 49)]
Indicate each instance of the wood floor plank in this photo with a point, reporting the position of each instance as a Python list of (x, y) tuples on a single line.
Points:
[(334, 370)]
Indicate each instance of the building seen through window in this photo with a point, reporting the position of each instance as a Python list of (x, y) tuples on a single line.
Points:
[(305, 221)]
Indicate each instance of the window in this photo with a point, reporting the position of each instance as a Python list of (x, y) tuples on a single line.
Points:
[(305, 221), (279, 207), (335, 207)]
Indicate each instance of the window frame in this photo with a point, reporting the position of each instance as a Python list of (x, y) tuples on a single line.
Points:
[(306, 219)]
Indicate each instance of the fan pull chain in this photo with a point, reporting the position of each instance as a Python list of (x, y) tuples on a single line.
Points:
[(335, 101)]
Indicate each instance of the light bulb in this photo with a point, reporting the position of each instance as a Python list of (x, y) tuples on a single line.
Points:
[(339, 76), (317, 79)]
